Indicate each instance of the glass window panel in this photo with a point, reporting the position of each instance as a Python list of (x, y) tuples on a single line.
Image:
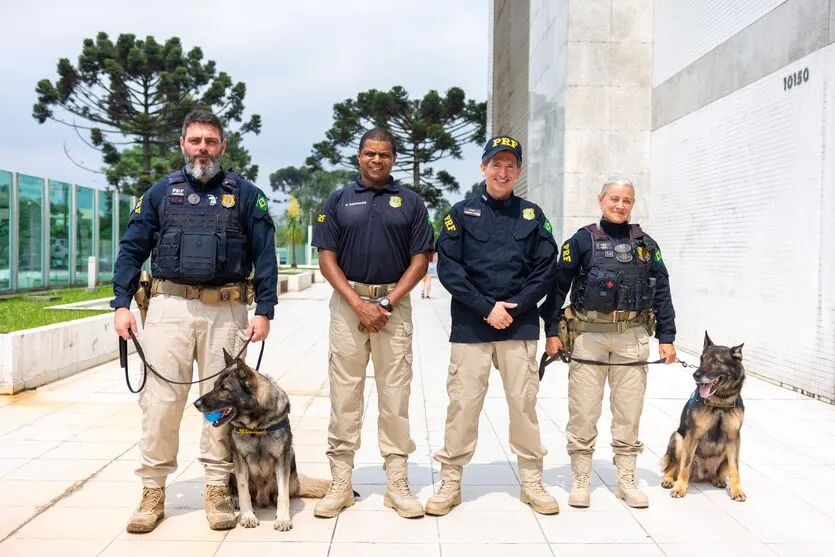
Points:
[(59, 232), (30, 231), (5, 230), (125, 207), (84, 231), (105, 236)]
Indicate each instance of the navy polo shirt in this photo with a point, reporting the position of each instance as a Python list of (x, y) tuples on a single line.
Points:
[(374, 231)]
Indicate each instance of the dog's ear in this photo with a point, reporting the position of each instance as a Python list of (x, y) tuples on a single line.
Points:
[(245, 373), (736, 351), (708, 342), (227, 357)]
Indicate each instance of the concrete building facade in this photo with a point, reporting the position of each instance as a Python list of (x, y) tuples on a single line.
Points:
[(721, 111)]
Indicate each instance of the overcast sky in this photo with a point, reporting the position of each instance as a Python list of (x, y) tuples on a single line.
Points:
[(296, 58)]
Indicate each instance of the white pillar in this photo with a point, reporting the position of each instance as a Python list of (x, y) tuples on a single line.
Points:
[(91, 272)]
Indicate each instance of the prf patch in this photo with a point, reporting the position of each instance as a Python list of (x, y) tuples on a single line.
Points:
[(261, 203), (138, 207), (449, 224), (528, 214), (512, 143), (566, 252), (228, 200), (395, 201), (320, 218)]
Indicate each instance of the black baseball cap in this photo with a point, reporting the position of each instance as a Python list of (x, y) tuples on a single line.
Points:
[(501, 143)]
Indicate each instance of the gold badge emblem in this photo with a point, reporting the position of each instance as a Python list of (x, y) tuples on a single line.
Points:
[(228, 200), (395, 201), (528, 214)]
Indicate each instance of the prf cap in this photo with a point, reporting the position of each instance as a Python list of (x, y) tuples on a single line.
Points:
[(502, 143)]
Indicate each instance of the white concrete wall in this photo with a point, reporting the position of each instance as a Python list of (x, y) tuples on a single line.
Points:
[(38, 356), (686, 30), (742, 199)]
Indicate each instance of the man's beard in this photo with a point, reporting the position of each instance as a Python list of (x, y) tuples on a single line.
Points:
[(202, 173)]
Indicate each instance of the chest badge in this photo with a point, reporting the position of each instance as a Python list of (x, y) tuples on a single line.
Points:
[(472, 211), (395, 201), (528, 214), (194, 199), (228, 200), (643, 254)]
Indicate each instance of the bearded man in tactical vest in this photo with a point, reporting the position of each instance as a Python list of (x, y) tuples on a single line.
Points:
[(619, 290), (204, 230)]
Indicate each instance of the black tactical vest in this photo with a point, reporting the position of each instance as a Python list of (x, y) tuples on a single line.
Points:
[(618, 274), (201, 238)]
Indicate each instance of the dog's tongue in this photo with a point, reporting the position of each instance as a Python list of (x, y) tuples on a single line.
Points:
[(704, 390)]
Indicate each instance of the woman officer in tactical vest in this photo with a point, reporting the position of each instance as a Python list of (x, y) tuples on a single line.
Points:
[(620, 292)]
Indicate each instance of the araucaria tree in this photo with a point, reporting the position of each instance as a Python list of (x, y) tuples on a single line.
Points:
[(131, 97), (427, 130)]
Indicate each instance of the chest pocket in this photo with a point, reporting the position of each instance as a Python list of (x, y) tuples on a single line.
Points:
[(524, 232)]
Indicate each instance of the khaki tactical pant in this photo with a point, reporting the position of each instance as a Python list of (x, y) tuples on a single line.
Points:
[(469, 370), (176, 333), (627, 386), (391, 352)]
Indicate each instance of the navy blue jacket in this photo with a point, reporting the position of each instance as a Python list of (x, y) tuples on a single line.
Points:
[(576, 253), (138, 240), (495, 250)]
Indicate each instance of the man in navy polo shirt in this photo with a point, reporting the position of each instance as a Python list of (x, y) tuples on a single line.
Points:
[(374, 239)]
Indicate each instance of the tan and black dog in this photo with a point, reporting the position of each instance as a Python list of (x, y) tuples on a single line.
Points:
[(258, 411), (706, 445)]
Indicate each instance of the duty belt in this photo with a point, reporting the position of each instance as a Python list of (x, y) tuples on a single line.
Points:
[(615, 322), (206, 294), (371, 290), (618, 327)]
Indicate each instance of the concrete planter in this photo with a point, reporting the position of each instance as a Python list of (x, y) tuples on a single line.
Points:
[(299, 281), (34, 357)]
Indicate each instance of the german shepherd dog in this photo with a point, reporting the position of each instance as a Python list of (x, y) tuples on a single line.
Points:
[(706, 445), (258, 411)]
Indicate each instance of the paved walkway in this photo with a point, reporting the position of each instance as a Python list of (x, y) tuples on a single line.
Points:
[(68, 451)]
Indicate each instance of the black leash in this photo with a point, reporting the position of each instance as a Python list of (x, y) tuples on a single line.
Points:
[(566, 357), (123, 360)]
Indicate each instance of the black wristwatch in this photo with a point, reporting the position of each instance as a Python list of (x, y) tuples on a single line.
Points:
[(385, 303)]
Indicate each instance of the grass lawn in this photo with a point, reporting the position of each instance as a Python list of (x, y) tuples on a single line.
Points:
[(18, 313)]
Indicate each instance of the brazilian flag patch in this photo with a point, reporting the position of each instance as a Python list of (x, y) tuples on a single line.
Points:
[(548, 226), (261, 203), (657, 255)]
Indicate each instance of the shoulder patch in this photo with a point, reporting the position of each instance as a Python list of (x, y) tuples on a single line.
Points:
[(548, 227), (449, 224), (261, 202), (138, 206), (566, 252), (320, 217), (657, 254)]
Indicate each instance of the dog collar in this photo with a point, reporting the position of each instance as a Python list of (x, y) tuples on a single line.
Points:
[(715, 404), (245, 431)]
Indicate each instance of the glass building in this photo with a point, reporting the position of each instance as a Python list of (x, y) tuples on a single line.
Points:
[(49, 229)]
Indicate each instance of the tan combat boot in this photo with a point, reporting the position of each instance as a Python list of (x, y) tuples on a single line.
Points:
[(581, 467), (398, 496), (150, 512), (532, 492), (627, 488), (448, 496), (340, 496), (218, 506)]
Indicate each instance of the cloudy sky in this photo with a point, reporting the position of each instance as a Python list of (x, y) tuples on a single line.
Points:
[(296, 58)]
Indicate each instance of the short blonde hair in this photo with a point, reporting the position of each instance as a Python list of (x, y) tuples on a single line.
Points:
[(616, 181)]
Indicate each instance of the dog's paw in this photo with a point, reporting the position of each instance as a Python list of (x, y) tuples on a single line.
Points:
[(667, 483), (249, 520), (678, 490), (718, 483), (283, 525), (738, 495)]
